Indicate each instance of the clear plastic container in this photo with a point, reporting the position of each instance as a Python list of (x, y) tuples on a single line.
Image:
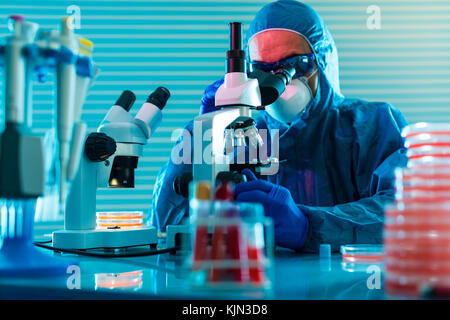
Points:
[(361, 267), (232, 246), (413, 209), (433, 227), (362, 253), (418, 197), (119, 219), (411, 220), (424, 165), (430, 187), (411, 175), (422, 183), (422, 267), (437, 157), (422, 130), (416, 239), (428, 184), (429, 161), (411, 252), (428, 141), (437, 149)]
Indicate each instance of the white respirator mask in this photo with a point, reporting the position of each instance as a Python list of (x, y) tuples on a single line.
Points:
[(292, 101)]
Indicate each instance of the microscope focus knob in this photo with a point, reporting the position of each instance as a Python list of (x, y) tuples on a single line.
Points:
[(99, 146)]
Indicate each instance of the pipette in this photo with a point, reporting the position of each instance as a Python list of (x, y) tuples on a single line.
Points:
[(15, 73), (85, 74), (65, 103), (21, 163), (29, 30), (18, 177)]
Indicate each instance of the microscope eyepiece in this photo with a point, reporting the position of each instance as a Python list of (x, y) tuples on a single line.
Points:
[(235, 36), (159, 97), (235, 56), (126, 100), (286, 74), (272, 85)]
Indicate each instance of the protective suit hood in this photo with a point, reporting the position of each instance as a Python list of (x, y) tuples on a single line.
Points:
[(302, 19)]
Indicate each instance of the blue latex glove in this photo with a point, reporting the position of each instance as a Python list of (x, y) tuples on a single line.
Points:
[(207, 103), (290, 223)]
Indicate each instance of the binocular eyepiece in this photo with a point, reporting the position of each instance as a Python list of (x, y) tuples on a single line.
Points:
[(158, 98), (121, 135), (272, 85)]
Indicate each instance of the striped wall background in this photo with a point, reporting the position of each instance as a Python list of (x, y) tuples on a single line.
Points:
[(181, 44)]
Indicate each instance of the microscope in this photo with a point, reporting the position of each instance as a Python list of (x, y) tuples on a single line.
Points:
[(109, 159), (231, 129)]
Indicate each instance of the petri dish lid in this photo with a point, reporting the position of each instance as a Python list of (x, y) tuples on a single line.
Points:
[(363, 253), (433, 158), (119, 215), (436, 161), (423, 172), (429, 149), (427, 128), (120, 221), (426, 164), (429, 201)]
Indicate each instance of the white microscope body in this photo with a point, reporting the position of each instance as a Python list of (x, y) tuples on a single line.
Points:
[(216, 134), (244, 95), (232, 124), (108, 161)]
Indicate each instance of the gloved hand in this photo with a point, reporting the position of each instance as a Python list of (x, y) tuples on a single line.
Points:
[(207, 102), (290, 223)]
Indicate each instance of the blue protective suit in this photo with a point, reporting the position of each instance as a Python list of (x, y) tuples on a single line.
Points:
[(340, 154)]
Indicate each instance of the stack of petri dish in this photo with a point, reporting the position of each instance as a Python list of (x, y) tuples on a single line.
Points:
[(417, 225), (359, 257), (119, 219)]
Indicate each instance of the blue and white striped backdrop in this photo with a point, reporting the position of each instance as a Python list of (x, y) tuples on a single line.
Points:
[(181, 44)]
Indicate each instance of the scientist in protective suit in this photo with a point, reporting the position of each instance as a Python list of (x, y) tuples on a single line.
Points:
[(340, 153)]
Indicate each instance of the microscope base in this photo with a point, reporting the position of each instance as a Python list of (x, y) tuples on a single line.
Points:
[(104, 238)]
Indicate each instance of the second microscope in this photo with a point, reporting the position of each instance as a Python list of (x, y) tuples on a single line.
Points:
[(109, 159)]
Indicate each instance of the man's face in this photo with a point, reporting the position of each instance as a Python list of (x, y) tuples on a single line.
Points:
[(274, 45)]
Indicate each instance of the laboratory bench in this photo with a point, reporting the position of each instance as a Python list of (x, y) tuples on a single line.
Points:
[(293, 276)]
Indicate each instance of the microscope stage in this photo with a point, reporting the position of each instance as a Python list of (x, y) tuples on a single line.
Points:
[(104, 238)]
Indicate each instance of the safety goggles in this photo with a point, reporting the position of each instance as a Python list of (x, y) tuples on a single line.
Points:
[(303, 65)]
